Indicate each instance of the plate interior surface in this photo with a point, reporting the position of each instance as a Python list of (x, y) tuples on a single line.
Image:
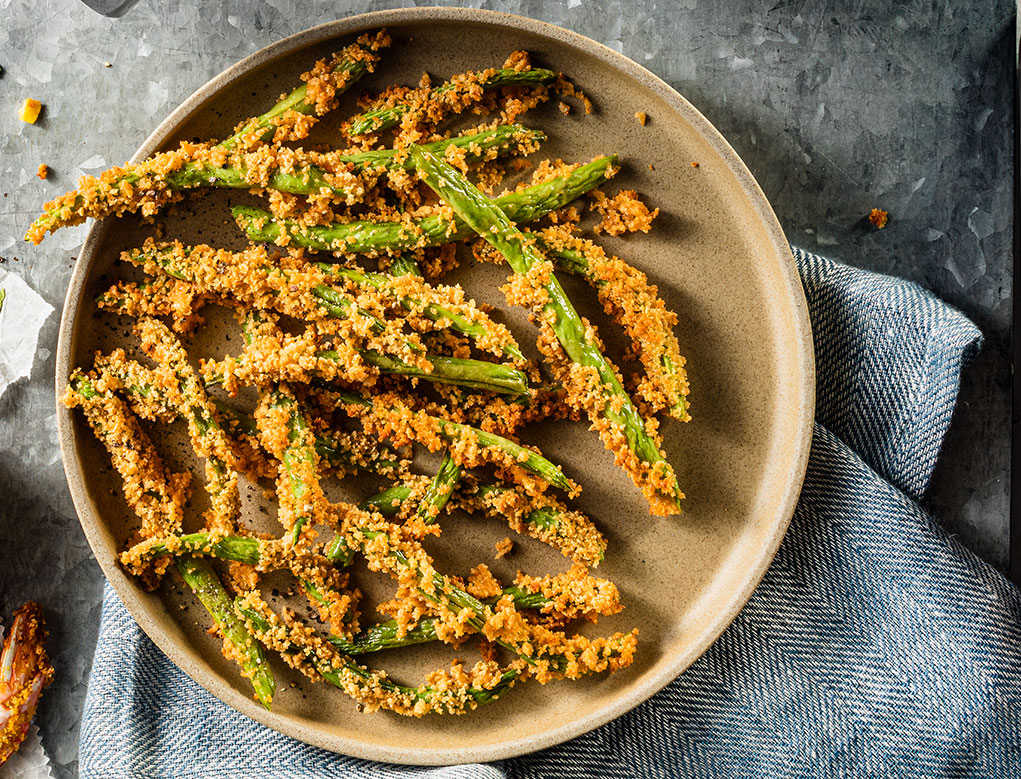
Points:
[(718, 258)]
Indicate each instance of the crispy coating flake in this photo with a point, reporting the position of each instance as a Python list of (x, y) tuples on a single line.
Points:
[(622, 213), (565, 87), (162, 296), (878, 217), (482, 584), (574, 594)]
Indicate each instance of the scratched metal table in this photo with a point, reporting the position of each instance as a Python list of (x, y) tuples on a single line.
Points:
[(836, 109)]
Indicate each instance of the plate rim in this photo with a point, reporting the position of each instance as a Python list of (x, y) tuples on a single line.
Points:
[(132, 597)]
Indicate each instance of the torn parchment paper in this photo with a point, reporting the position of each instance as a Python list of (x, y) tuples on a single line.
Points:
[(22, 314), (30, 761)]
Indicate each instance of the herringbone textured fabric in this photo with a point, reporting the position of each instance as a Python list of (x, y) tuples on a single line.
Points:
[(888, 356), (875, 646)]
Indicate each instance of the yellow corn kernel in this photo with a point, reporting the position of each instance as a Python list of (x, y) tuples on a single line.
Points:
[(30, 110)]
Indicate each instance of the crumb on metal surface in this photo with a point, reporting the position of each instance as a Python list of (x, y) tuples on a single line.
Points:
[(878, 217)]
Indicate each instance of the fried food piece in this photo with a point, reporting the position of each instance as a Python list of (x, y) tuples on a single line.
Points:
[(24, 671)]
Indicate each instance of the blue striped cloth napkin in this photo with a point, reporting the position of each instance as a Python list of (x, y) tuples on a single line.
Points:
[(876, 644)]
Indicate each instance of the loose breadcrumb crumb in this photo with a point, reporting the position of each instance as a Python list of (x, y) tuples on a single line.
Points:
[(482, 583), (43, 171), (504, 547), (641, 117), (878, 218), (623, 213), (567, 88)]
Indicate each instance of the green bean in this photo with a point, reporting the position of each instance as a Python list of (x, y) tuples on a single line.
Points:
[(488, 220)]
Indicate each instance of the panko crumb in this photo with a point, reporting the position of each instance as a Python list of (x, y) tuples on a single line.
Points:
[(694, 164), (622, 213), (482, 583), (518, 60), (43, 171), (878, 217), (641, 117), (504, 547), (565, 109), (568, 89)]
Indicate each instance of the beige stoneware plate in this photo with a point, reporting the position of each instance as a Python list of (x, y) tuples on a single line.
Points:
[(720, 260)]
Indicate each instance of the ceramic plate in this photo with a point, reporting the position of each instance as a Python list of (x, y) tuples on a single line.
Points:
[(720, 260)]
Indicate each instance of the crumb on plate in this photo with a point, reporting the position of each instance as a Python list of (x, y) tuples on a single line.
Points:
[(623, 213), (504, 547)]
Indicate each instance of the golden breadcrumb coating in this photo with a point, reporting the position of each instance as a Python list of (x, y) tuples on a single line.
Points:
[(153, 493), (305, 369), (622, 213), (627, 296)]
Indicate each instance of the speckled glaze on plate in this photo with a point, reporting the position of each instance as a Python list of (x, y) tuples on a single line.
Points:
[(721, 262)]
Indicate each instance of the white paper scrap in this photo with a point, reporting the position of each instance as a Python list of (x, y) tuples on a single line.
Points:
[(30, 761), (21, 316)]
